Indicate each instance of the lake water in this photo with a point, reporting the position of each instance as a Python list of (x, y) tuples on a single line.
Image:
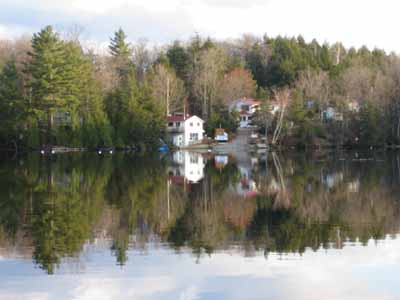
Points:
[(193, 226)]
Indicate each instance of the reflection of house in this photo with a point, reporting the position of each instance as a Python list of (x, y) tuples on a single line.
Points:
[(247, 186), (332, 179), (184, 130), (353, 186), (220, 161), (187, 166), (246, 107)]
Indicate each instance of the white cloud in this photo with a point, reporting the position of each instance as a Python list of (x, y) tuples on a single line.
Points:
[(354, 22), (352, 273)]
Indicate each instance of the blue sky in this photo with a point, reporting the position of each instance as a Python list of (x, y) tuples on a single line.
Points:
[(354, 22)]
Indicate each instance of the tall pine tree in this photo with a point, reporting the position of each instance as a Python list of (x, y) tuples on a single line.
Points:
[(49, 78)]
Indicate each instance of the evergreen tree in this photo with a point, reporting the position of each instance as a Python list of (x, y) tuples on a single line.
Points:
[(49, 77), (12, 106), (121, 53)]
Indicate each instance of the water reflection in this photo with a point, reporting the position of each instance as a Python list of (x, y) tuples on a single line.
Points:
[(54, 211)]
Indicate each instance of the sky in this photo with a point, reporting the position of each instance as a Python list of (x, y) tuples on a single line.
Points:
[(353, 22)]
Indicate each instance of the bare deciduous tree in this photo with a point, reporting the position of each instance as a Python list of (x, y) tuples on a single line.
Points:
[(168, 90), (282, 97), (315, 86), (207, 76), (237, 84)]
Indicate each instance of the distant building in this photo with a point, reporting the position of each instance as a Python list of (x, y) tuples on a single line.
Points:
[(184, 131), (220, 161), (274, 107), (221, 135), (331, 114), (353, 106), (246, 107), (309, 104)]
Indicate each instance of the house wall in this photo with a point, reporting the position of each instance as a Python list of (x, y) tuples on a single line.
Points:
[(178, 140), (188, 164), (193, 125), (194, 166)]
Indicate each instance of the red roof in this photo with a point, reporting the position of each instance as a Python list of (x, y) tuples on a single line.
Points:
[(177, 118), (250, 194), (250, 101), (177, 179)]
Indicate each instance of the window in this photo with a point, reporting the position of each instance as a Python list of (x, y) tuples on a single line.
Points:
[(170, 124), (194, 136), (178, 124), (245, 108), (198, 124), (191, 124)]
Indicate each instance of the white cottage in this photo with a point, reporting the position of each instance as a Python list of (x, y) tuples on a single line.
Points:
[(246, 107), (185, 130)]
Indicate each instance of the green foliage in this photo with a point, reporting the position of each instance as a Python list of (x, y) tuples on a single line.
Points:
[(179, 59), (306, 122), (228, 121), (12, 106), (65, 96), (372, 127)]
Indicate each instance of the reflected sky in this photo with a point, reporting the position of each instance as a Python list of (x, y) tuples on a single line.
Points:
[(199, 226), (354, 272)]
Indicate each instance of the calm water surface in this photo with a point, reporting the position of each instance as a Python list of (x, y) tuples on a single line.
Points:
[(193, 226)]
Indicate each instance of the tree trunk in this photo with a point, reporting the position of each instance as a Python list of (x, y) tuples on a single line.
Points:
[(49, 127)]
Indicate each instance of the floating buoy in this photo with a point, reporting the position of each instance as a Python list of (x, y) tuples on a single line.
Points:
[(53, 152), (42, 151), (111, 152), (209, 150), (99, 152)]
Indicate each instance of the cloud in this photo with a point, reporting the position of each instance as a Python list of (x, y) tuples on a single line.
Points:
[(353, 22), (100, 21), (353, 273), (230, 3)]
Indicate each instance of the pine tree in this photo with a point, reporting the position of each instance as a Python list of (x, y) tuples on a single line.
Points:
[(122, 101), (49, 78), (121, 53), (96, 130), (12, 106), (118, 46)]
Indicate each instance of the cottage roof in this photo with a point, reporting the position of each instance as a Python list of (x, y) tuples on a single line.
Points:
[(181, 118), (250, 101), (219, 131), (177, 118)]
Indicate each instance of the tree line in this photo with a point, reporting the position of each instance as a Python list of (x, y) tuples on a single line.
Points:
[(54, 91)]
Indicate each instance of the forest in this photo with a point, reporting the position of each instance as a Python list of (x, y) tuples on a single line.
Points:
[(55, 90)]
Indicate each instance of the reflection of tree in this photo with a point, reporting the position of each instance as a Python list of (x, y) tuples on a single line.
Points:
[(203, 224), (136, 189), (61, 218), (58, 205)]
